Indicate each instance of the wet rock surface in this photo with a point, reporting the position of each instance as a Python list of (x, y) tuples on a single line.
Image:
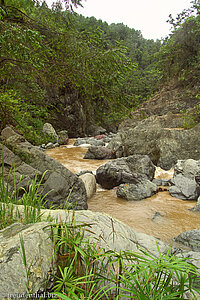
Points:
[(135, 192), (132, 169), (184, 183), (99, 152)]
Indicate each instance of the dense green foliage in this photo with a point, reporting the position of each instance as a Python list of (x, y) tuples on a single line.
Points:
[(141, 82), (111, 68), (43, 49), (180, 53), (89, 271)]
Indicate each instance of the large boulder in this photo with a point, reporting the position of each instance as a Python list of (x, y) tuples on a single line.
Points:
[(184, 184), (132, 169), (99, 152), (164, 146), (8, 132), (135, 192), (60, 185), (190, 238), (110, 233), (38, 250), (16, 172)]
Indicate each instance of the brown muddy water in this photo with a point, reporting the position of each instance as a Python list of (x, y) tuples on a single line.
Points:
[(174, 215)]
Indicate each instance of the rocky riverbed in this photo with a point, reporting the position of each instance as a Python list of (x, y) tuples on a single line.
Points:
[(59, 183)]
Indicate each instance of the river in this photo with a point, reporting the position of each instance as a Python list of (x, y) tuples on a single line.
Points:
[(161, 216)]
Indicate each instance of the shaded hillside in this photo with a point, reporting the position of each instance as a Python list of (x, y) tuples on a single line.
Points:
[(171, 98), (78, 73), (178, 63), (56, 68)]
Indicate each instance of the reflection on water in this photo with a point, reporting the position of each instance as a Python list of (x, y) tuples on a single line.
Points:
[(172, 215)]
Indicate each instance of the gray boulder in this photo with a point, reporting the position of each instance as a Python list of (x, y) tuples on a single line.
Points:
[(48, 129), (184, 185), (16, 172), (190, 238), (116, 145), (183, 188), (63, 137), (110, 233), (38, 250), (94, 130), (164, 146), (135, 192), (99, 152), (60, 184), (189, 168), (132, 169), (8, 132)]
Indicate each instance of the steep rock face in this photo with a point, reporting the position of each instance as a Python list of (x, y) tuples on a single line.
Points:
[(60, 184), (163, 145), (172, 98), (69, 113)]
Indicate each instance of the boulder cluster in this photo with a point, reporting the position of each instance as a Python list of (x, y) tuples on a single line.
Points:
[(26, 160), (134, 153)]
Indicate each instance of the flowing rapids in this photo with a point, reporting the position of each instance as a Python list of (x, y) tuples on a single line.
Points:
[(162, 215)]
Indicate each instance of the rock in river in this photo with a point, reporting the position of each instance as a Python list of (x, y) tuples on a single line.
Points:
[(135, 192), (131, 169), (99, 152), (184, 183)]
